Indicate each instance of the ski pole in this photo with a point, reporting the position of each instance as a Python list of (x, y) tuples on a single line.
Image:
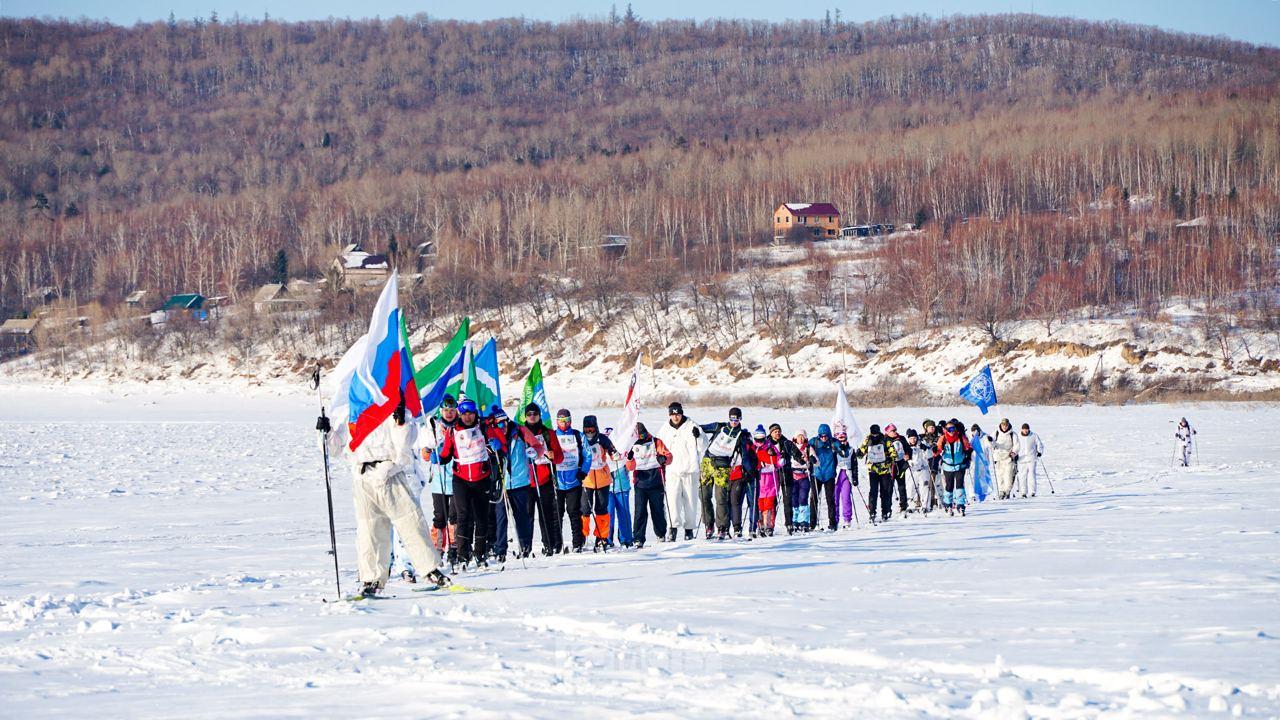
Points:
[(854, 482), (1040, 463), (322, 424), (915, 485), (542, 511)]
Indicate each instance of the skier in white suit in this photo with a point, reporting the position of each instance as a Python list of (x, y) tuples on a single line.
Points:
[(1028, 447), (383, 482), (681, 436), (1003, 450), (1186, 439)]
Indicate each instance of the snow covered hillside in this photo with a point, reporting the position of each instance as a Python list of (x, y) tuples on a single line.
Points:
[(166, 556)]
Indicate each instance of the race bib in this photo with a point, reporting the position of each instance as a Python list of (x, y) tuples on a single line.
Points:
[(568, 446), (876, 454), (723, 444), (471, 446)]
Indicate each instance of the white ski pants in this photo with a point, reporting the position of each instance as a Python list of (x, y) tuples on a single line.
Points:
[(1027, 477), (682, 495), (1006, 472), (1186, 453), (380, 505)]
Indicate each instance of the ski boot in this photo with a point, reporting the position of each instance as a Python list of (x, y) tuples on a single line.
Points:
[(452, 558), (409, 576), (724, 535), (368, 590), (671, 536), (602, 545), (688, 534), (961, 511), (710, 533), (482, 563), (439, 579)]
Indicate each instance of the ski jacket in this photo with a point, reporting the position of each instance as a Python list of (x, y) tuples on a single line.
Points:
[(621, 480), (786, 451), (538, 441), (880, 452), (918, 460), (598, 450), (645, 460), (1028, 447), (903, 449), (1184, 434), (439, 474), (468, 448), (1003, 446), (385, 451), (682, 442), (846, 458), (517, 461), (767, 460), (576, 463), (801, 458), (729, 447), (930, 442), (954, 451), (824, 454)]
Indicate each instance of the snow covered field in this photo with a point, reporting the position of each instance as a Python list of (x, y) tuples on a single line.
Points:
[(165, 556)]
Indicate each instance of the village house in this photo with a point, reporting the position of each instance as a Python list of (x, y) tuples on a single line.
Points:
[(358, 269), (276, 297), (820, 220), (18, 336)]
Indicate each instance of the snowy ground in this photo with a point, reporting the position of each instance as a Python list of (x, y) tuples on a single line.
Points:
[(161, 558)]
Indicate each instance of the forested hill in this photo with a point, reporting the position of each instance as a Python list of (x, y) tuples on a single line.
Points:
[(183, 155)]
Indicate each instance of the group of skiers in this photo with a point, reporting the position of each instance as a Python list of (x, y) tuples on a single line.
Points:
[(485, 472)]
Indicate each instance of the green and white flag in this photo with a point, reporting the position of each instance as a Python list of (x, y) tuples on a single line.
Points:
[(535, 392), (444, 374)]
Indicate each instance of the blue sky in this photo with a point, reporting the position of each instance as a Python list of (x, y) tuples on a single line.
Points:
[(1253, 20)]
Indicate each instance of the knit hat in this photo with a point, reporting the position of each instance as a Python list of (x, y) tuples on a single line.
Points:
[(532, 408), (759, 432), (891, 428), (911, 432), (589, 421), (563, 413), (875, 430), (735, 413), (675, 407)]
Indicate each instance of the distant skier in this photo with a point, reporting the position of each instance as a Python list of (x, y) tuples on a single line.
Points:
[(801, 461), (825, 448), (497, 423), (543, 453), (619, 501), (918, 468), (727, 450), (596, 485), (903, 450), (570, 472), (1186, 440), (786, 450), (680, 435), (469, 445), (846, 473), (955, 451), (929, 439), (1004, 450), (444, 517), (384, 499), (645, 460), (768, 465), (880, 455), (1029, 448), (519, 484)]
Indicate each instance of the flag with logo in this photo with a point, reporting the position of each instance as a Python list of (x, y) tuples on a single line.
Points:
[(980, 390), (482, 377), (624, 432)]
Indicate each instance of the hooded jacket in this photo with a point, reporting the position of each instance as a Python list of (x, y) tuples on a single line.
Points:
[(954, 450), (824, 454), (682, 442)]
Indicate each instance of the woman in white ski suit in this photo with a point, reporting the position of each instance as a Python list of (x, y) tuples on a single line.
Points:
[(1002, 453), (383, 485), (1185, 436), (684, 470), (1028, 447)]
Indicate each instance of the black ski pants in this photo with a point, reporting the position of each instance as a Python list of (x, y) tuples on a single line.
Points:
[(475, 512), (881, 489), (570, 501), (649, 501)]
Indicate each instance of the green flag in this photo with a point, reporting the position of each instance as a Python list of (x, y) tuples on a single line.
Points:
[(535, 392), (444, 374)]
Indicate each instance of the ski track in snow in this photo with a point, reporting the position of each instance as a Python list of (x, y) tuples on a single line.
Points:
[(163, 568)]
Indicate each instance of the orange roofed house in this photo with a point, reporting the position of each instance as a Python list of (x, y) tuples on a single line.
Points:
[(822, 220)]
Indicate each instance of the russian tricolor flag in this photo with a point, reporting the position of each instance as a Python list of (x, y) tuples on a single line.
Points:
[(385, 371)]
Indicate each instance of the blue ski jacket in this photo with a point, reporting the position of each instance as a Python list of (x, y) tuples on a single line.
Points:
[(824, 470), (571, 441)]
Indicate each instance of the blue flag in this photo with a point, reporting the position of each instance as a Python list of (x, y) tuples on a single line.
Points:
[(981, 468), (980, 390)]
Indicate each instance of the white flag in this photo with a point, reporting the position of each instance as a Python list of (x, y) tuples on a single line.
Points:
[(624, 433), (844, 416)]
